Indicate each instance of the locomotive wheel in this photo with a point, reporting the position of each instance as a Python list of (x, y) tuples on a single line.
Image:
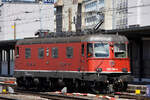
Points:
[(77, 86), (110, 88), (20, 82), (28, 83), (125, 86), (120, 86), (95, 88)]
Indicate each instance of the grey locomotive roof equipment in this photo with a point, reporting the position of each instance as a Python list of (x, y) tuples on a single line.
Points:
[(86, 38)]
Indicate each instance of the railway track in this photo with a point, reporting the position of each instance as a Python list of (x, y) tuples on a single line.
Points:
[(72, 96), (130, 96), (53, 96), (6, 98)]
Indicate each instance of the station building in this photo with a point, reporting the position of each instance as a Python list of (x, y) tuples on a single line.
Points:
[(21, 19)]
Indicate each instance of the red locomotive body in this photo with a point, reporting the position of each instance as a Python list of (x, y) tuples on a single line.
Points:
[(88, 61)]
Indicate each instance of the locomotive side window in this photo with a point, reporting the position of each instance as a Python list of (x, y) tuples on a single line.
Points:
[(89, 49), (101, 50), (47, 52), (69, 52), (17, 52), (27, 53), (41, 52), (82, 49), (120, 50), (55, 52)]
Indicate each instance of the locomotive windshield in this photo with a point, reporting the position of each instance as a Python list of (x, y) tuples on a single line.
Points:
[(99, 50), (120, 50)]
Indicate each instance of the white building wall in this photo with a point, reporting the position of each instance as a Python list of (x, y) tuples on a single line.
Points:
[(27, 18), (133, 12), (108, 15), (68, 4), (138, 12)]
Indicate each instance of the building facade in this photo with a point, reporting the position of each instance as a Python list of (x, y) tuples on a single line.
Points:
[(21, 20), (120, 14), (68, 15), (130, 13), (74, 15), (96, 10)]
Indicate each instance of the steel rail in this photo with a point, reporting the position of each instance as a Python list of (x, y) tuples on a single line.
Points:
[(53, 96), (129, 96), (7, 98)]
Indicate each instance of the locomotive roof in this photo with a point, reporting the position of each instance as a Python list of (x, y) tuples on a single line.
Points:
[(87, 38)]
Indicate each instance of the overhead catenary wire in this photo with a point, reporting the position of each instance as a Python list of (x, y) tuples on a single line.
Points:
[(37, 11), (104, 10)]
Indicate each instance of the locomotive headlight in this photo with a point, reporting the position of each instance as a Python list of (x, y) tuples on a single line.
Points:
[(99, 69), (124, 70)]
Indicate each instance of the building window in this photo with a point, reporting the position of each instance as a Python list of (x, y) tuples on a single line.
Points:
[(55, 52), (28, 53), (101, 1), (41, 52), (91, 19), (69, 52), (91, 5)]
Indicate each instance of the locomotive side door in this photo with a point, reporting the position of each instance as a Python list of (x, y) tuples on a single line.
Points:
[(83, 66)]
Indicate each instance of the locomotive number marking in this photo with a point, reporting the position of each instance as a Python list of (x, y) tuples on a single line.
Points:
[(112, 69)]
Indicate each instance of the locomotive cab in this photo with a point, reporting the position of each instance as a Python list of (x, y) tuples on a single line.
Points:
[(110, 60), (108, 57)]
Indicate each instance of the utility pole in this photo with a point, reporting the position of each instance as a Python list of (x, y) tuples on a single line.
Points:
[(70, 19), (14, 30), (40, 12)]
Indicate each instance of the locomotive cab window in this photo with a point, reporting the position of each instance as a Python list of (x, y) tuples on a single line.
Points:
[(41, 52), (120, 50), (69, 52), (27, 53), (89, 50), (101, 50), (55, 52), (98, 50)]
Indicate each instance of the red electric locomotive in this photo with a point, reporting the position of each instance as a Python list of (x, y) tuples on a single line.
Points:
[(97, 62)]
